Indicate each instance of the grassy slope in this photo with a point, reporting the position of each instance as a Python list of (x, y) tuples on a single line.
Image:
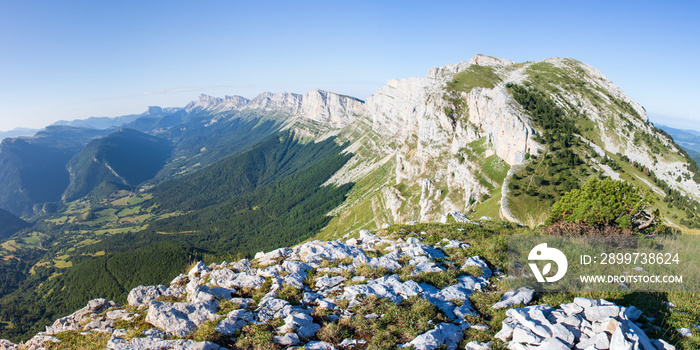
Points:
[(555, 81)]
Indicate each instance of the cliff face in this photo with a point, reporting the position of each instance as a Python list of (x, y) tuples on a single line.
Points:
[(330, 109)]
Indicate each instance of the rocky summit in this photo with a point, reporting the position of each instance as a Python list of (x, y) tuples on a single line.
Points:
[(347, 295)]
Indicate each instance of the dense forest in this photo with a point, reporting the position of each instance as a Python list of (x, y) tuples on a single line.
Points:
[(556, 170), (269, 196)]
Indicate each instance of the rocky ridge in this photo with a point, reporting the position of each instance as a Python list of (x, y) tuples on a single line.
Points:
[(330, 109), (296, 296), (416, 127)]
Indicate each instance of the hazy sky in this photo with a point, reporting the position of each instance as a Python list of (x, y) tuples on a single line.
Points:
[(75, 59)]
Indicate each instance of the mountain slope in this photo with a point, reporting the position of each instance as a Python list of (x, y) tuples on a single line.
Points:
[(125, 158), (688, 139), (17, 132), (9, 224), (488, 137), (460, 139), (33, 170)]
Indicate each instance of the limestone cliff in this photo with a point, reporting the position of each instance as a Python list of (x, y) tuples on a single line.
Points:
[(438, 133)]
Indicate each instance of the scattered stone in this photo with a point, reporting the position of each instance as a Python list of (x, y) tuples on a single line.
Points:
[(74, 321), (179, 319), (319, 345), (119, 314), (325, 282), (117, 343), (154, 333), (199, 270), (475, 345), (230, 325), (465, 310), (525, 335), (686, 332), (347, 342), (522, 295), (456, 215), (618, 341), (662, 345), (389, 287), (288, 339), (572, 308), (480, 263), (300, 323), (444, 334), (37, 342), (7, 345), (585, 324), (632, 313)]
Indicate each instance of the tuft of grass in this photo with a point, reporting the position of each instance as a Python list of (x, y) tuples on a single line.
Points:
[(474, 76), (257, 337), (370, 272), (207, 332), (440, 279), (226, 306), (397, 324), (72, 340), (333, 333), (291, 294)]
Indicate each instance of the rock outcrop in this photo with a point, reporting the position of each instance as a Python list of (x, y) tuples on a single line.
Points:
[(329, 109), (331, 284)]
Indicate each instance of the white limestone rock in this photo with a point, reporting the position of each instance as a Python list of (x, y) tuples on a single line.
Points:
[(7, 345), (180, 319), (289, 339), (325, 282), (319, 345), (199, 270), (300, 323), (475, 345), (522, 295), (116, 343), (389, 287), (618, 341), (37, 342), (663, 345), (480, 263), (444, 334)]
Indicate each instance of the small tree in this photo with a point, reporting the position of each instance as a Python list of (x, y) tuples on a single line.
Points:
[(606, 203)]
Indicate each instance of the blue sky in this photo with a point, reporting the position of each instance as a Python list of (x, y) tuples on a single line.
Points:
[(76, 59)]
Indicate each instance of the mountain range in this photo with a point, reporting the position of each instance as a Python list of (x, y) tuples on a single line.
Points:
[(230, 176)]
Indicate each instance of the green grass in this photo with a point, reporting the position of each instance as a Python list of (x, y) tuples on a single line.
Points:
[(398, 324), (495, 168), (474, 76), (75, 341), (490, 207), (479, 146), (490, 241), (129, 211), (627, 173), (364, 207)]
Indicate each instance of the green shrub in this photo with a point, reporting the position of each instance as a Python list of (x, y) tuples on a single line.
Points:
[(606, 203), (257, 337)]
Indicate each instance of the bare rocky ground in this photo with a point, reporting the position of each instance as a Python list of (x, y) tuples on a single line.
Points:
[(375, 292)]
